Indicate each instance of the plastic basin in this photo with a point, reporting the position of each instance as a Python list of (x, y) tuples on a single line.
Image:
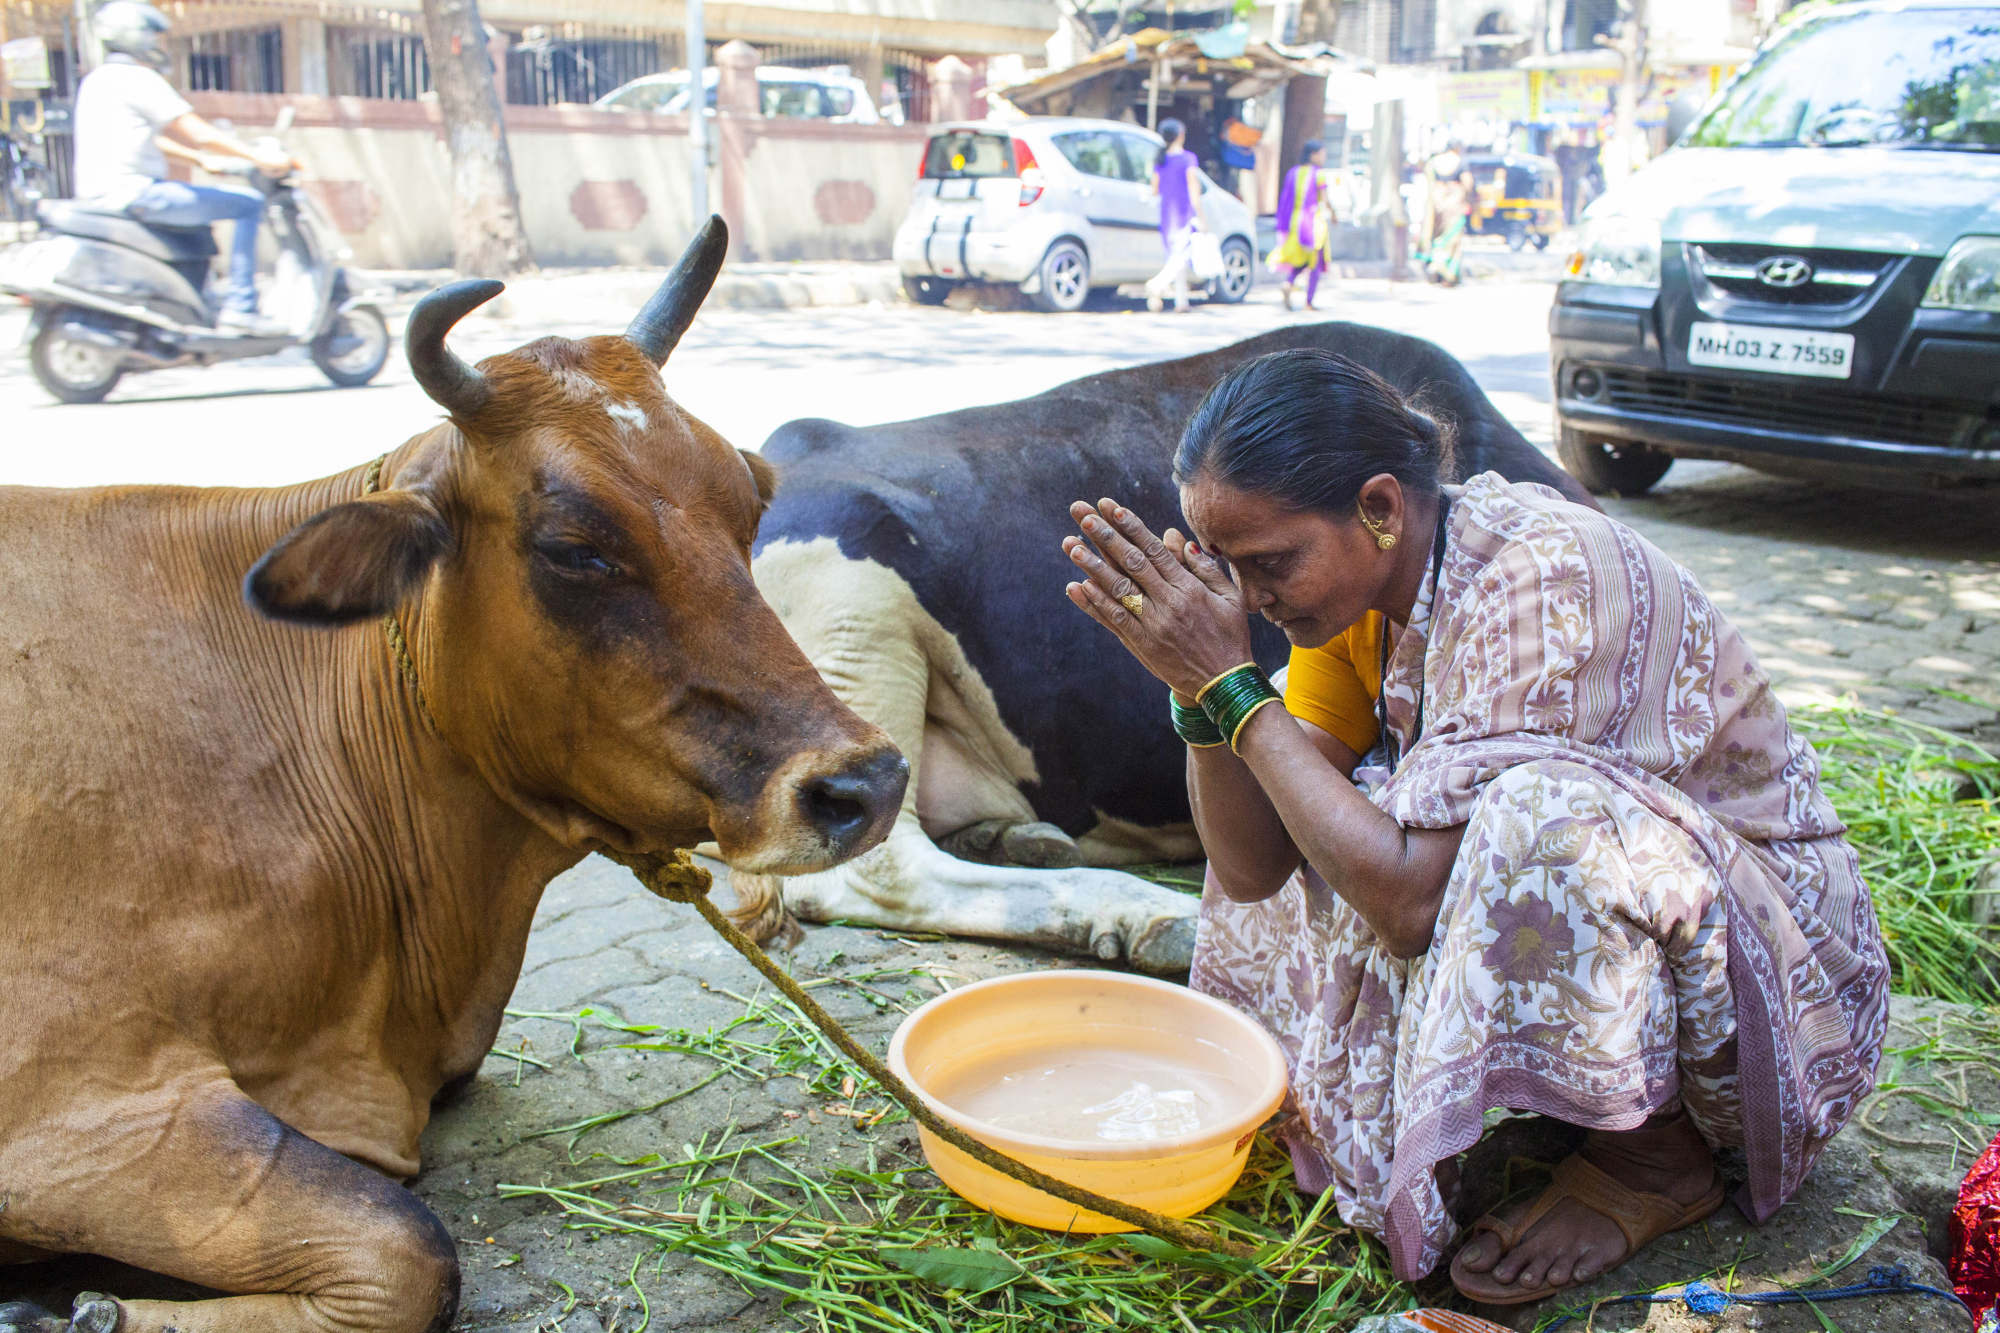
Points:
[(1137, 1089)]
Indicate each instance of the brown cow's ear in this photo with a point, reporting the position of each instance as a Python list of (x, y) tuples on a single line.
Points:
[(349, 562), (764, 475)]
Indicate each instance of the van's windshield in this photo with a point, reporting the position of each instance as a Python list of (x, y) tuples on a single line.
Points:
[(1916, 78)]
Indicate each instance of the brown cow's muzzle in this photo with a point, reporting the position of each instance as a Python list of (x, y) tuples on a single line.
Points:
[(814, 814)]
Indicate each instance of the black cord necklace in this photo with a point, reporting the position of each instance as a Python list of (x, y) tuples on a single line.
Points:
[(1390, 745)]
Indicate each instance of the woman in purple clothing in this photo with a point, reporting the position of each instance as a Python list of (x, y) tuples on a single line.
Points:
[(1175, 181)]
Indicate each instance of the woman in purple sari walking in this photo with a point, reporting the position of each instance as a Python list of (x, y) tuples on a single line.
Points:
[(1174, 180), (1305, 221)]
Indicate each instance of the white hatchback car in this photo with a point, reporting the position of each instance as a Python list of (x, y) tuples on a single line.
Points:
[(1056, 204), (816, 94)]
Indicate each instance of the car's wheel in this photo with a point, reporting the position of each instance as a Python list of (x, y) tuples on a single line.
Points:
[(1541, 241), (926, 290), (73, 370), (1065, 276), (1239, 271), (1517, 237), (1611, 467), (353, 347)]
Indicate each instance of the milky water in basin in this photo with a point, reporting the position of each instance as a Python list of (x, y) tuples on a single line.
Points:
[(1096, 1093)]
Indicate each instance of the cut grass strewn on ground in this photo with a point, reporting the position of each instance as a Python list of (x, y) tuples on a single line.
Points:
[(886, 1248), (1922, 808)]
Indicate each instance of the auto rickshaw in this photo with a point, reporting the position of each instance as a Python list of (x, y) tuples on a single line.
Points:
[(1517, 195)]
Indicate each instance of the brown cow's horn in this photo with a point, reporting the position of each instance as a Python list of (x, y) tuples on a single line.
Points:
[(452, 385), (657, 329)]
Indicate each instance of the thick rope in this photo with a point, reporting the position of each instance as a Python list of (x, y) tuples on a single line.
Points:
[(678, 879)]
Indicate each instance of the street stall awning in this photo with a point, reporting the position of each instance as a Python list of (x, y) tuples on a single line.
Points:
[(1253, 67)]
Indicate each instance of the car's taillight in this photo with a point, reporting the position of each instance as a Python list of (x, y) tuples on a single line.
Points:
[(1029, 172)]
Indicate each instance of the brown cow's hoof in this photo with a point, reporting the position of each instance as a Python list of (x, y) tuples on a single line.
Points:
[(94, 1312), (23, 1317)]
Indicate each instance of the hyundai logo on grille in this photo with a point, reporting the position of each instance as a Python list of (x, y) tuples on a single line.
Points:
[(1785, 271)]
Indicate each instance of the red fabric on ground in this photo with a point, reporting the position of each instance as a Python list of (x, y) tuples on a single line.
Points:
[(1975, 1235)]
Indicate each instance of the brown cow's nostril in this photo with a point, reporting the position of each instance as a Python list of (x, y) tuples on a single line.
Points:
[(859, 801)]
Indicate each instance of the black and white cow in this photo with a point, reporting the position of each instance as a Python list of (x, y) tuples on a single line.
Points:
[(919, 565)]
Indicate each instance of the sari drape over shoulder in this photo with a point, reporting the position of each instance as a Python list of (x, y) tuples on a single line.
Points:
[(1653, 901)]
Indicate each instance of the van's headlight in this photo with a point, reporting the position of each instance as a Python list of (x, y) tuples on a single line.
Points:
[(1969, 277), (1619, 249)]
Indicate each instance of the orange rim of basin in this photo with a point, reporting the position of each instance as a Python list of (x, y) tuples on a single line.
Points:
[(1177, 1175)]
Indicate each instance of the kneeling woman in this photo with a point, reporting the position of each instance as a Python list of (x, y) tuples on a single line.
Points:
[(1528, 829)]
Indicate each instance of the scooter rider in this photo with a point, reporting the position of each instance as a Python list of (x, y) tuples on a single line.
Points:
[(129, 119)]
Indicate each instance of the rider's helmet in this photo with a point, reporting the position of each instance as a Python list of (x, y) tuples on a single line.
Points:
[(133, 28)]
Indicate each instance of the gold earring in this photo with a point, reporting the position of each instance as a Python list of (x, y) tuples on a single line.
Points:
[(1383, 540)]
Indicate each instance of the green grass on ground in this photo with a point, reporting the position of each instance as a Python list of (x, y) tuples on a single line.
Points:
[(1922, 808)]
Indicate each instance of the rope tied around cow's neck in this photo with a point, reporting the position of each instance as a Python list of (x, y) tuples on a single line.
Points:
[(392, 628), (677, 878)]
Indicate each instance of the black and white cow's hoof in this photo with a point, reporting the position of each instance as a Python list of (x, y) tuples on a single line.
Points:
[(26, 1317), (1166, 948), (1006, 842), (94, 1312)]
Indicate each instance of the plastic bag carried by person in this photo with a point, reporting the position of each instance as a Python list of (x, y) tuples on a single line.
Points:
[(1205, 255)]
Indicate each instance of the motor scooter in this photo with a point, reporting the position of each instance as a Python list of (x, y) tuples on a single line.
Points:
[(112, 295)]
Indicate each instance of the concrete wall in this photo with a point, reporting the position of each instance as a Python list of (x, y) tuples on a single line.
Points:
[(597, 187), (801, 189)]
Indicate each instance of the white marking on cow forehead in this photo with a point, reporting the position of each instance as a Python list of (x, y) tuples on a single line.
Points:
[(629, 415)]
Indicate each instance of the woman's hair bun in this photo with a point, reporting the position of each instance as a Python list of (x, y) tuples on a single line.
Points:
[(1308, 428)]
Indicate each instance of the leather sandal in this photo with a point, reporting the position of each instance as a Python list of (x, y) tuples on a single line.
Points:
[(1642, 1217)]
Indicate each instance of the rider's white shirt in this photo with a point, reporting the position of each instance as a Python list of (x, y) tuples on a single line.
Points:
[(120, 107)]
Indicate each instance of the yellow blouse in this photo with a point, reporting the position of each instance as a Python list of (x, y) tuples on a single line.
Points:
[(1335, 686)]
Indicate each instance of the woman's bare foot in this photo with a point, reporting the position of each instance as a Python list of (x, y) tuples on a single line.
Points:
[(1573, 1243)]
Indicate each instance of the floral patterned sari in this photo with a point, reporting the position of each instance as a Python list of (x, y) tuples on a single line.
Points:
[(1653, 902)]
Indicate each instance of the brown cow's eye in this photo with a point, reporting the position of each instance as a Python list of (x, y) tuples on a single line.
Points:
[(574, 557)]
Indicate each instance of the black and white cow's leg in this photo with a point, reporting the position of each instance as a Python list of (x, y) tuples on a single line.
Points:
[(194, 1180), (890, 661), (909, 883)]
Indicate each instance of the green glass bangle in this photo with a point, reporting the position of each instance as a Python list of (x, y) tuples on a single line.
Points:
[(1193, 726), (1231, 699)]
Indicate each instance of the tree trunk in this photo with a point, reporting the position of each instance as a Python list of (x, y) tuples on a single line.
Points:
[(1632, 56), (486, 236)]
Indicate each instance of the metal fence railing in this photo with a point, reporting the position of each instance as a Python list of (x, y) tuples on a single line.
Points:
[(376, 50)]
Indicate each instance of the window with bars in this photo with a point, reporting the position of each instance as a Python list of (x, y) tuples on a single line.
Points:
[(545, 70), (246, 60), (376, 62)]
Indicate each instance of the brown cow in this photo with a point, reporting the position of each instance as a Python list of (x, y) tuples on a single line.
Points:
[(264, 893)]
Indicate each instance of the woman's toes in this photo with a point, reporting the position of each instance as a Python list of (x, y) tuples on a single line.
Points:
[(1559, 1270), (1480, 1254)]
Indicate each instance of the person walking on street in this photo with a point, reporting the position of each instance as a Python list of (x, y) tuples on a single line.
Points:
[(1305, 219), (129, 120), (1451, 195), (1175, 180)]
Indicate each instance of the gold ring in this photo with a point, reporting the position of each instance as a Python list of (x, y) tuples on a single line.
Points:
[(1135, 602)]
